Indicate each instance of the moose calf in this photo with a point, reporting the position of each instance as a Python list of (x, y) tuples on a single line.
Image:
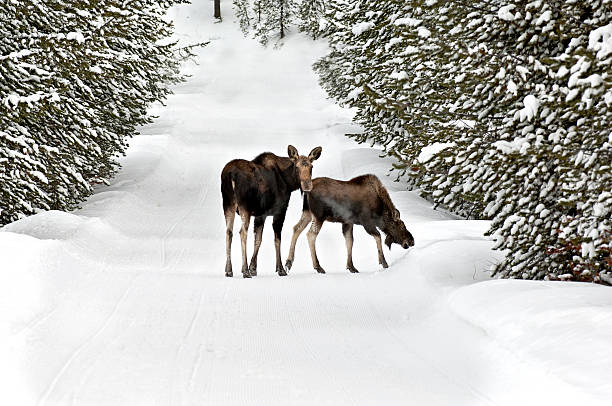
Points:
[(362, 200)]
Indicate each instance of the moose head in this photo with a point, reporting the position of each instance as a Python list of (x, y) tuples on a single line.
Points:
[(303, 165)]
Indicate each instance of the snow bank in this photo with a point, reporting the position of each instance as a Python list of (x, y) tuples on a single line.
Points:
[(50, 225), (20, 297), (565, 327)]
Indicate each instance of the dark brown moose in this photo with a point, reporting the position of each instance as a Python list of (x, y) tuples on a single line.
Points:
[(261, 188), (362, 200)]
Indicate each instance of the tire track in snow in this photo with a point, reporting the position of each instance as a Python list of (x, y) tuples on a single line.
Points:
[(115, 339), (86, 343), (196, 365), (186, 336), (92, 365), (201, 199), (349, 399), (41, 318)]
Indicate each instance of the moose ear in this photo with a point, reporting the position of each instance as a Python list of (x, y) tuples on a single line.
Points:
[(315, 154), (292, 152), (396, 214)]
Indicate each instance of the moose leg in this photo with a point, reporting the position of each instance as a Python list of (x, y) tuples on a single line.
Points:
[(258, 226), (312, 238), (246, 219), (230, 213), (297, 230), (347, 230), (277, 225), (381, 257)]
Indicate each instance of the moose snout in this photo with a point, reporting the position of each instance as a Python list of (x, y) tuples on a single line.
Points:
[(407, 244), (307, 186)]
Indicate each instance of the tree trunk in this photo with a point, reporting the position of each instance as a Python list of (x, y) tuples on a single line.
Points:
[(282, 15), (217, 8)]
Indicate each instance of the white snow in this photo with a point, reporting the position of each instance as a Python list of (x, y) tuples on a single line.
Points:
[(16, 54), (512, 87), (14, 99), (125, 302), (362, 27), (399, 75), (409, 21), (429, 151), (600, 40), (544, 18), (423, 32), (538, 321), (353, 94), (505, 12), (519, 145), (530, 110), (76, 36)]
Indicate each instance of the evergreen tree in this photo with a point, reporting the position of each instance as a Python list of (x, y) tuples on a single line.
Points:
[(497, 110), (274, 18), (75, 83), (277, 16), (311, 14), (242, 10)]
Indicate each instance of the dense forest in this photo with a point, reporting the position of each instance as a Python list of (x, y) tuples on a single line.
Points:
[(76, 80)]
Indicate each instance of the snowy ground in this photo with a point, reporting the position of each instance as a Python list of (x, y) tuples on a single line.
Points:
[(124, 302)]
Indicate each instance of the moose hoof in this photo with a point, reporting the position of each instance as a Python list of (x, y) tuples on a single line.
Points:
[(245, 272), (281, 271), (319, 269), (288, 264), (384, 264), (253, 270), (352, 269), (229, 274)]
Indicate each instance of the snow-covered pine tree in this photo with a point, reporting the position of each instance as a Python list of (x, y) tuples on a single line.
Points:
[(520, 166), (476, 101), (311, 19), (242, 11), (257, 10), (387, 60), (75, 82), (270, 18), (277, 17)]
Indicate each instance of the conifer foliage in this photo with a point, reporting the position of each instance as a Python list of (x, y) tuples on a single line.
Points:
[(496, 109), (273, 19), (75, 82)]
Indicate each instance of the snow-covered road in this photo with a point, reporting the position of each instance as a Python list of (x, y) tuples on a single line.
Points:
[(124, 302)]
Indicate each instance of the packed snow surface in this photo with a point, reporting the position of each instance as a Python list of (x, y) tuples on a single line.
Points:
[(125, 302)]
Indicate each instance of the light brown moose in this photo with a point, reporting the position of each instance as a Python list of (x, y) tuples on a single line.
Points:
[(362, 200)]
